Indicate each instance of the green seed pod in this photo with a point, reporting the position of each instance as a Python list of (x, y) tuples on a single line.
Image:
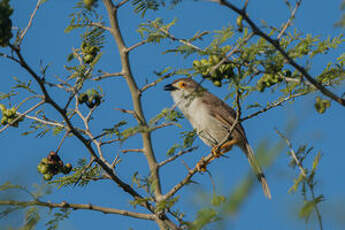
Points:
[(326, 103), (42, 168), (7, 113), (196, 63), (287, 73), (4, 120), (88, 58), (213, 59), (203, 61), (89, 3), (239, 23), (67, 168), (83, 98), (2, 107), (5, 23), (217, 83), (10, 120), (44, 161), (13, 110), (48, 176), (318, 100), (93, 51)]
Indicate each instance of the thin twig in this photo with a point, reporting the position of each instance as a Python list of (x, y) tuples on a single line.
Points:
[(273, 105), (155, 82), (183, 41), (121, 3), (9, 57), (275, 43), (108, 75), (292, 153), (132, 150), (65, 204), (29, 23), (182, 152), (61, 142), (231, 52), (92, 160), (23, 115), (136, 45), (99, 25), (116, 161), (318, 214), (291, 18), (76, 132), (45, 122), (309, 183)]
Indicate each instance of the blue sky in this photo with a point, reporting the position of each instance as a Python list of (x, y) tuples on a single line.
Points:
[(47, 42)]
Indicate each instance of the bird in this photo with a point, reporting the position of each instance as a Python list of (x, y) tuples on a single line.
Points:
[(212, 120)]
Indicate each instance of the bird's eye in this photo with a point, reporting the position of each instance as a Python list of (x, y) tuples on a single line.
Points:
[(182, 84)]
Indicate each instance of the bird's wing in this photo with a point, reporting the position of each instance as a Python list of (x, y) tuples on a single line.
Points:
[(223, 112)]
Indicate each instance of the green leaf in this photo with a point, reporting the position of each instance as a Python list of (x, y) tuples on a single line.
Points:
[(217, 200), (309, 206), (297, 182), (204, 216), (316, 162), (32, 217), (58, 216)]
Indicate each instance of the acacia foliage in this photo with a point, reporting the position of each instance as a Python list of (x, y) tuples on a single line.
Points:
[(234, 56)]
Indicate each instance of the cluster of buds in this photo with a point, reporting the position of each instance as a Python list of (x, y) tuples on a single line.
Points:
[(206, 68), (52, 165), (268, 80), (9, 115), (89, 3), (5, 23), (91, 98), (89, 52), (321, 105)]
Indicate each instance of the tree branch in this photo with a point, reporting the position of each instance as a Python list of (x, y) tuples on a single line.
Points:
[(23, 115), (176, 156), (273, 105), (64, 204), (29, 23), (291, 18), (276, 45), (108, 75), (135, 93), (70, 128)]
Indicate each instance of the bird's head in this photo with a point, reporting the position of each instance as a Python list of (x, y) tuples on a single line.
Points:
[(184, 88), (186, 85)]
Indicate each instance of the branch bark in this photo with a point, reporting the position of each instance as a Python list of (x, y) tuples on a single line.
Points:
[(276, 45), (135, 93), (64, 204)]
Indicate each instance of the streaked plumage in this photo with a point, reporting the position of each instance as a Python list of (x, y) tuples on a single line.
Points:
[(212, 119)]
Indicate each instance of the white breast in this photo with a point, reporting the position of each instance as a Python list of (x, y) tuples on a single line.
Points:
[(197, 113)]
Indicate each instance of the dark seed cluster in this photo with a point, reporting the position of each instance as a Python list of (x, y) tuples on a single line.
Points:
[(52, 165)]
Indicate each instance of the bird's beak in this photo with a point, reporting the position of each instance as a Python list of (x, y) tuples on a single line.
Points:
[(169, 87)]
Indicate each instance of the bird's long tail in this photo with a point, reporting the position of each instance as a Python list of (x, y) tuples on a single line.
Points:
[(257, 169)]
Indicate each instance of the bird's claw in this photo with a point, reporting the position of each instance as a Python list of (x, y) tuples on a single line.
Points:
[(216, 153), (201, 165)]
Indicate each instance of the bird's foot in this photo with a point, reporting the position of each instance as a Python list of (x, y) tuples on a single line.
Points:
[(216, 152), (201, 165)]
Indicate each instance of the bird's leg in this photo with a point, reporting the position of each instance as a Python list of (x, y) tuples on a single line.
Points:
[(201, 165), (217, 152), (226, 147)]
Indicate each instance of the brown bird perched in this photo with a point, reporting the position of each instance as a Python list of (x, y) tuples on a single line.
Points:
[(212, 119)]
